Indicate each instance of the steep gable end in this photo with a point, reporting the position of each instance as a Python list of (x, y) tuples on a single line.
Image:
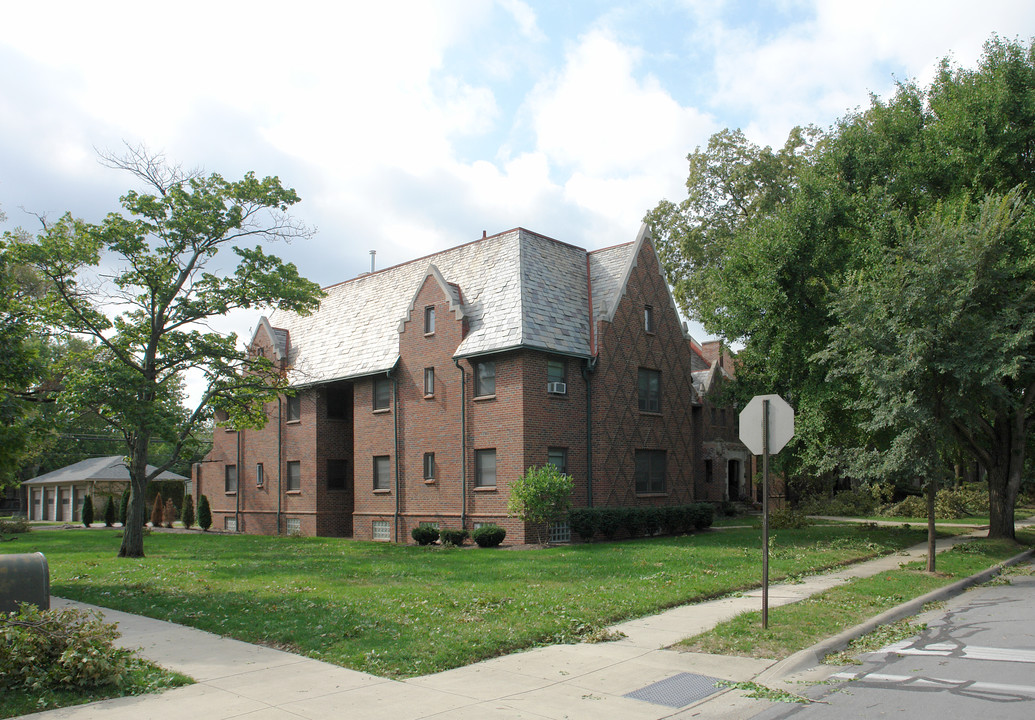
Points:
[(451, 292)]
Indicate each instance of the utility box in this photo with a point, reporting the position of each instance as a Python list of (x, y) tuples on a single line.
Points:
[(24, 579)]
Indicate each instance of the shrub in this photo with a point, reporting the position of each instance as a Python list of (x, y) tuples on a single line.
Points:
[(87, 513), (157, 511), (424, 534), (672, 520), (651, 520), (453, 537), (204, 513), (14, 526), (541, 495), (109, 512), (187, 513), (633, 520), (124, 507), (704, 515), (169, 513), (788, 518), (59, 649), (583, 521), (489, 535), (912, 506), (609, 521)]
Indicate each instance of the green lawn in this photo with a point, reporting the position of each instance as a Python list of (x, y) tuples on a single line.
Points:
[(399, 610), (802, 624)]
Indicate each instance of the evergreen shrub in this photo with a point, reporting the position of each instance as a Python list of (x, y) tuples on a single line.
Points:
[(489, 535)]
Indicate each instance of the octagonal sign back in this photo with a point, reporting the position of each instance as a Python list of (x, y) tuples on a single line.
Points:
[(781, 424)]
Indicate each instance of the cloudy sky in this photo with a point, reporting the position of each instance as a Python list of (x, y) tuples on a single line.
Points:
[(409, 127)]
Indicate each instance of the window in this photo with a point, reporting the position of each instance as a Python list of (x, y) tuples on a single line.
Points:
[(230, 524), (484, 379), (294, 475), (648, 318), (650, 471), (379, 530), (230, 479), (260, 351), (429, 382), (338, 403), (558, 457), (485, 468), (429, 319), (650, 390), (338, 472), (560, 532), (382, 393), (428, 523), (294, 408), (709, 473), (293, 526), (260, 478), (382, 472), (555, 371), (429, 466)]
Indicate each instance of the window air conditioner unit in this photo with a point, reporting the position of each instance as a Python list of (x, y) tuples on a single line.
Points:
[(557, 388)]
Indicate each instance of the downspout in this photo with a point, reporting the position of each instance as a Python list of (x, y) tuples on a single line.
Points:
[(395, 432), (280, 463), (587, 368), (237, 490), (463, 445)]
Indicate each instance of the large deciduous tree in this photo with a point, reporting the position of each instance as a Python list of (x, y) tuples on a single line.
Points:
[(141, 286), (779, 251)]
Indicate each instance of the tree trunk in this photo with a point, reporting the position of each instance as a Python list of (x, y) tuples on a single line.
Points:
[(1004, 479), (133, 532), (932, 549)]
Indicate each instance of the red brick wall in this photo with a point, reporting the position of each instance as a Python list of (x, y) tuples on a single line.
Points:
[(619, 428)]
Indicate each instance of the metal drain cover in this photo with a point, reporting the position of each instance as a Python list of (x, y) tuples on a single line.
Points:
[(677, 691)]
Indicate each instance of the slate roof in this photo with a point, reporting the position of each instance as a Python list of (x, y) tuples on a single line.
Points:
[(516, 289), (102, 469)]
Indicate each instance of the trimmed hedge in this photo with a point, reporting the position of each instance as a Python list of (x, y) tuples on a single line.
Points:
[(640, 521), (453, 537), (489, 535), (424, 534)]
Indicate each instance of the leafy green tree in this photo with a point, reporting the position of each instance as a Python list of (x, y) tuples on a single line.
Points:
[(87, 511), (187, 512), (141, 286), (539, 496), (204, 513), (767, 245)]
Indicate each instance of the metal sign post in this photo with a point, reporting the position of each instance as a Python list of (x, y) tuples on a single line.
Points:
[(766, 424), (765, 514)]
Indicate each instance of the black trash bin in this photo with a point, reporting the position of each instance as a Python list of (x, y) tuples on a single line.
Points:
[(24, 578)]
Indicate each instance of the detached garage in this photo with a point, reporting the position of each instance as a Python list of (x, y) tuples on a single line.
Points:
[(58, 495)]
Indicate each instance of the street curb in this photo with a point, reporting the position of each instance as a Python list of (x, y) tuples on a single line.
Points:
[(812, 656)]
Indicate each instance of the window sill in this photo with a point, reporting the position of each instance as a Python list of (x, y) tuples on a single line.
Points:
[(292, 492), (430, 334), (650, 413), (381, 411), (293, 422), (378, 491), (651, 494), (429, 396), (429, 481), (230, 492), (486, 488), (483, 398)]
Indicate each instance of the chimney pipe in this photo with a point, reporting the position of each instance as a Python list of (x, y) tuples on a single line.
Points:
[(372, 254)]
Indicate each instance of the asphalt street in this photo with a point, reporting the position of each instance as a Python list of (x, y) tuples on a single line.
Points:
[(975, 659)]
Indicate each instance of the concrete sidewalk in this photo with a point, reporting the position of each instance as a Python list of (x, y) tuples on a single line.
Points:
[(631, 678)]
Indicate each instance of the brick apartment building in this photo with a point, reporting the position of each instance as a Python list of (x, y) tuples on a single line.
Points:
[(425, 389)]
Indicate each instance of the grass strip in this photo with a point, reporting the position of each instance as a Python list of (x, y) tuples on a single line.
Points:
[(399, 611), (144, 678), (800, 625)]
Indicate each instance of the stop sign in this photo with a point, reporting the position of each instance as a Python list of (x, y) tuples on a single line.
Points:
[(781, 424)]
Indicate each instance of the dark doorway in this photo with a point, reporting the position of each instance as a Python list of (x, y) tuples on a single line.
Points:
[(733, 478)]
